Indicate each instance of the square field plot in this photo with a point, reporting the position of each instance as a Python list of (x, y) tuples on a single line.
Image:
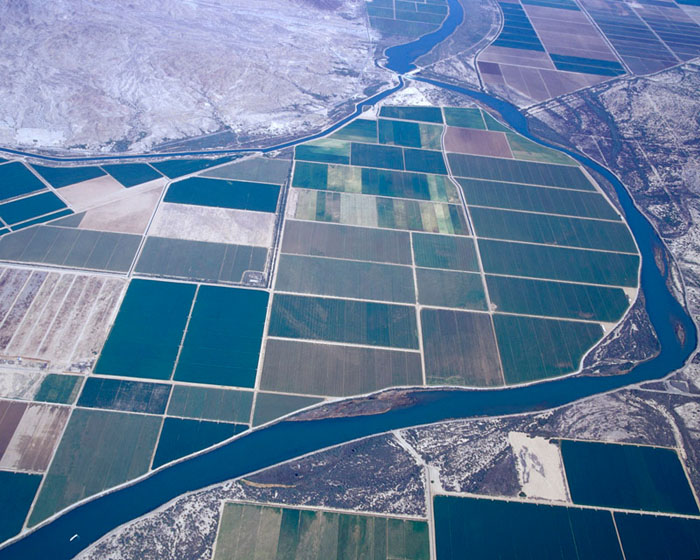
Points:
[(532, 349), (147, 332), (447, 288), (497, 529), (460, 348), (17, 492), (627, 476), (335, 370), (444, 251), (223, 339), (340, 320), (266, 531), (98, 450), (58, 388)]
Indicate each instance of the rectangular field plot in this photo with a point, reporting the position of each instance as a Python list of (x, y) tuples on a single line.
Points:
[(30, 207), (371, 211), (270, 406), (223, 339), (400, 184), (94, 250), (495, 169), (424, 161), (533, 348), (327, 150), (342, 278), (180, 437), (173, 168), (59, 177), (259, 170), (17, 180), (447, 288), (358, 322), (425, 114), (242, 195), (523, 148), (199, 260), (498, 529), (360, 130), (128, 396), (346, 242), (656, 536), (410, 134), (460, 348), (552, 230), (204, 403), (29, 435), (627, 476), (132, 174), (557, 299), (334, 370), (265, 531), (376, 155), (60, 318), (559, 263), (98, 450), (146, 335), (477, 142), (464, 118), (537, 199), (57, 388), (17, 492), (442, 251)]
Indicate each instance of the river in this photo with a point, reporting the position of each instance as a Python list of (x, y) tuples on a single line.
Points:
[(288, 439)]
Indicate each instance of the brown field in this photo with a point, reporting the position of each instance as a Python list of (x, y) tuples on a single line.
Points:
[(35, 438), (477, 142), (10, 414)]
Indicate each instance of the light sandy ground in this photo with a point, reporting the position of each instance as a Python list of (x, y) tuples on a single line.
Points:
[(19, 384), (130, 214), (33, 442), (90, 193), (540, 467), (218, 225)]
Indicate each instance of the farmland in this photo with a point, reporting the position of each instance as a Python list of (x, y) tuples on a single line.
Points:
[(183, 301), (255, 531)]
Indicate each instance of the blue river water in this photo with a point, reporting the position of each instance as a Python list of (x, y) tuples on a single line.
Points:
[(288, 439)]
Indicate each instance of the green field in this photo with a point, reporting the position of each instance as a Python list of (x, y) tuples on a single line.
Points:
[(524, 148), (459, 348), (58, 388), (447, 288), (373, 211), (326, 150), (343, 278), (269, 406), (334, 370), (98, 450), (534, 173), (424, 161), (338, 320), (559, 263), (285, 533), (491, 529), (442, 251), (627, 476), (552, 230), (258, 170), (346, 242), (464, 118), (376, 155), (383, 182), (147, 332), (425, 114), (223, 337), (360, 130), (532, 349), (124, 395), (199, 260), (512, 196), (17, 490), (210, 404), (557, 299)]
